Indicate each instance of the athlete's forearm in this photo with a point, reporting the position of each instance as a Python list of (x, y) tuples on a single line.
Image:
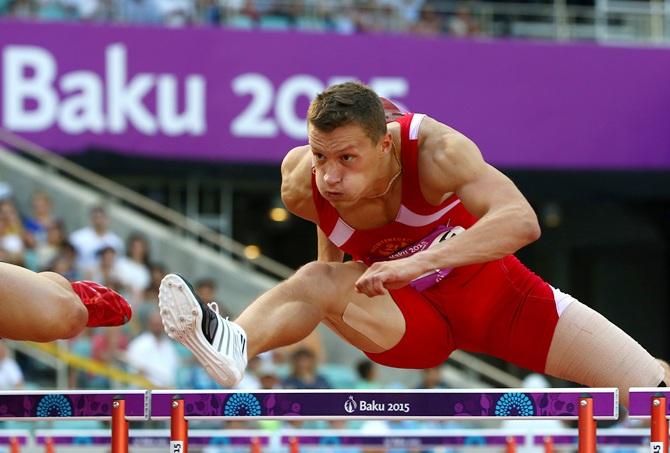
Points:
[(495, 235)]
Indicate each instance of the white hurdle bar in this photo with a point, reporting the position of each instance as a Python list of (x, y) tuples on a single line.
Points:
[(117, 406)]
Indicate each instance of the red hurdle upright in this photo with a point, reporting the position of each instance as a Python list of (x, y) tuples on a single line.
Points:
[(178, 427), (510, 446), (119, 426), (586, 426), (659, 425), (14, 445)]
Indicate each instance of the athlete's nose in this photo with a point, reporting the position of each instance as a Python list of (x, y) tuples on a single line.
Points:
[(331, 176)]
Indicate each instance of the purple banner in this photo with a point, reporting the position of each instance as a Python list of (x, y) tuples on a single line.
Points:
[(205, 93), (73, 405), (556, 403), (641, 400)]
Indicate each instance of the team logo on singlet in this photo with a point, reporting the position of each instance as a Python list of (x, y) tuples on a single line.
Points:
[(388, 246)]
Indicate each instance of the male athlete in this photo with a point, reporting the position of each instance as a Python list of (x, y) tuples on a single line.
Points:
[(432, 229), (45, 306)]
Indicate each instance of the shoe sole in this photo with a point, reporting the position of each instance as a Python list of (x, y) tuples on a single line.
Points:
[(182, 321)]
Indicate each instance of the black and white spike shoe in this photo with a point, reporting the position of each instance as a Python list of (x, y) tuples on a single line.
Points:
[(219, 345)]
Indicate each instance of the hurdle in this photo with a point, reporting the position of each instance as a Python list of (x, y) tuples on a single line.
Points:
[(651, 402), (614, 437), (403, 440), (150, 437), (15, 438), (584, 405), (117, 406)]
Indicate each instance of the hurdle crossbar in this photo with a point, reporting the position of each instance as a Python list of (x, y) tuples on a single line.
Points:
[(384, 404), (609, 436), (652, 402), (22, 436), (148, 437), (399, 439), (75, 404)]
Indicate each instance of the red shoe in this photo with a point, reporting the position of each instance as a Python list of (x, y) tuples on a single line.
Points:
[(106, 308)]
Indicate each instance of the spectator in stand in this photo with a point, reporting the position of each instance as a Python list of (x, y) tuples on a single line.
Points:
[(11, 377), (139, 11), (153, 354), (88, 241), (462, 23), (53, 244), (206, 290), (106, 271), (14, 239), (108, 346), (133, 269), (429, 22), (65, 263), (41, 218), (267, 376), (431, 378), (22, 9), (250, 381), (367, 375), (304, 373)]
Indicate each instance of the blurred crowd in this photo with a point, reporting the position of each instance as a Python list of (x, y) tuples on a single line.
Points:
[(426, 17)]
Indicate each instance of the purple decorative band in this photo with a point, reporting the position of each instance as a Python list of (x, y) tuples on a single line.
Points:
[(77, 405), (641, 400), (555, 403)]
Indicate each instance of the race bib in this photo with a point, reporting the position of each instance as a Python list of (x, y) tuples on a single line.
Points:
[(440, 234)]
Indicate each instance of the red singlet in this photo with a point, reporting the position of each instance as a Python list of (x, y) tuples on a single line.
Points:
[(500, 308)]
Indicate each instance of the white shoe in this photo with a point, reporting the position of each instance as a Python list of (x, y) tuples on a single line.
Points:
[(218, 344)]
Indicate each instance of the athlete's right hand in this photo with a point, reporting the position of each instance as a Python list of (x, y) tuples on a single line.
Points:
[(385, 275)]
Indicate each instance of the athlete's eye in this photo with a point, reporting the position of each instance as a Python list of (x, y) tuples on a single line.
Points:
[(318, 156), (347, 157)]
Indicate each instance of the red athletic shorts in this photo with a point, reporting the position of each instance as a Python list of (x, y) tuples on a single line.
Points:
[(499, 308)]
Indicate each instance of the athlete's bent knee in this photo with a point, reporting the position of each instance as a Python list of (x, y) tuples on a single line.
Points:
[(67, 318), (321, 282)]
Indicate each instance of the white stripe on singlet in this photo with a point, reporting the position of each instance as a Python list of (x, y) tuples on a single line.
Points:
[(414, 125), (341, 233), (411, 218)]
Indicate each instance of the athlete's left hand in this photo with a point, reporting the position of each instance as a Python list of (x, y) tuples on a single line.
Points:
[(387, 275)]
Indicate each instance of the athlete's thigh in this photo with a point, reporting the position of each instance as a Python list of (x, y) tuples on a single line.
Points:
[(372, 324), (589, 349)]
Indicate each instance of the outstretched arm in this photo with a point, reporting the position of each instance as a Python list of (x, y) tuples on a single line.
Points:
[(450, 163)]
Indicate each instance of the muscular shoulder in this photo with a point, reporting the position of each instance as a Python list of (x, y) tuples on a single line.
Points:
[(447, 159), (296, 185)]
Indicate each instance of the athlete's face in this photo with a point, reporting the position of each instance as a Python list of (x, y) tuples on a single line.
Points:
[(347, 162)]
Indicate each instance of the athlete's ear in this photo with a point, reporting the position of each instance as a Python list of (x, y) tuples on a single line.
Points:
[(387, 143)]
